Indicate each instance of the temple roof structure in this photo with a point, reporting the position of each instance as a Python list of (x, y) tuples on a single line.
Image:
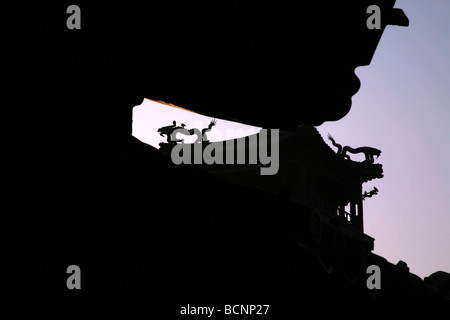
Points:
[(310, 172)]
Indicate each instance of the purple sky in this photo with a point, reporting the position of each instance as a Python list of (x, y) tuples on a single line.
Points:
[(402, 108)]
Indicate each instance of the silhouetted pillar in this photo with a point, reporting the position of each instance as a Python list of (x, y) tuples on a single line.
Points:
[(341, 212), (352, 211), (360, 211)]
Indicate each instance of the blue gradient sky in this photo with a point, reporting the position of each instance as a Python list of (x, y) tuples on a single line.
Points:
[(402, 108)]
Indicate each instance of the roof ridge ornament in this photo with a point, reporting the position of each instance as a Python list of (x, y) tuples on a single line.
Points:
[(369, 194), (369, 152)]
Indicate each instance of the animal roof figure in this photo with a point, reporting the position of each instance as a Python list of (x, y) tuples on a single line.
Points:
[(369, 152), (171, 131)]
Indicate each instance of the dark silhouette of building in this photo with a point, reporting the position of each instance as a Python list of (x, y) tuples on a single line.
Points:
[(80, 189)]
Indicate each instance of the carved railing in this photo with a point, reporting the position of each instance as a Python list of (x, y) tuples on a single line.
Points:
[(352, 218)]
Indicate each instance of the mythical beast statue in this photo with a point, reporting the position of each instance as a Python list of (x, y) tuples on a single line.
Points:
[(369, 152)]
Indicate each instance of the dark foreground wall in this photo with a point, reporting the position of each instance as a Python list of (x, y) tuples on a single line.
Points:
[(79, 189)]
